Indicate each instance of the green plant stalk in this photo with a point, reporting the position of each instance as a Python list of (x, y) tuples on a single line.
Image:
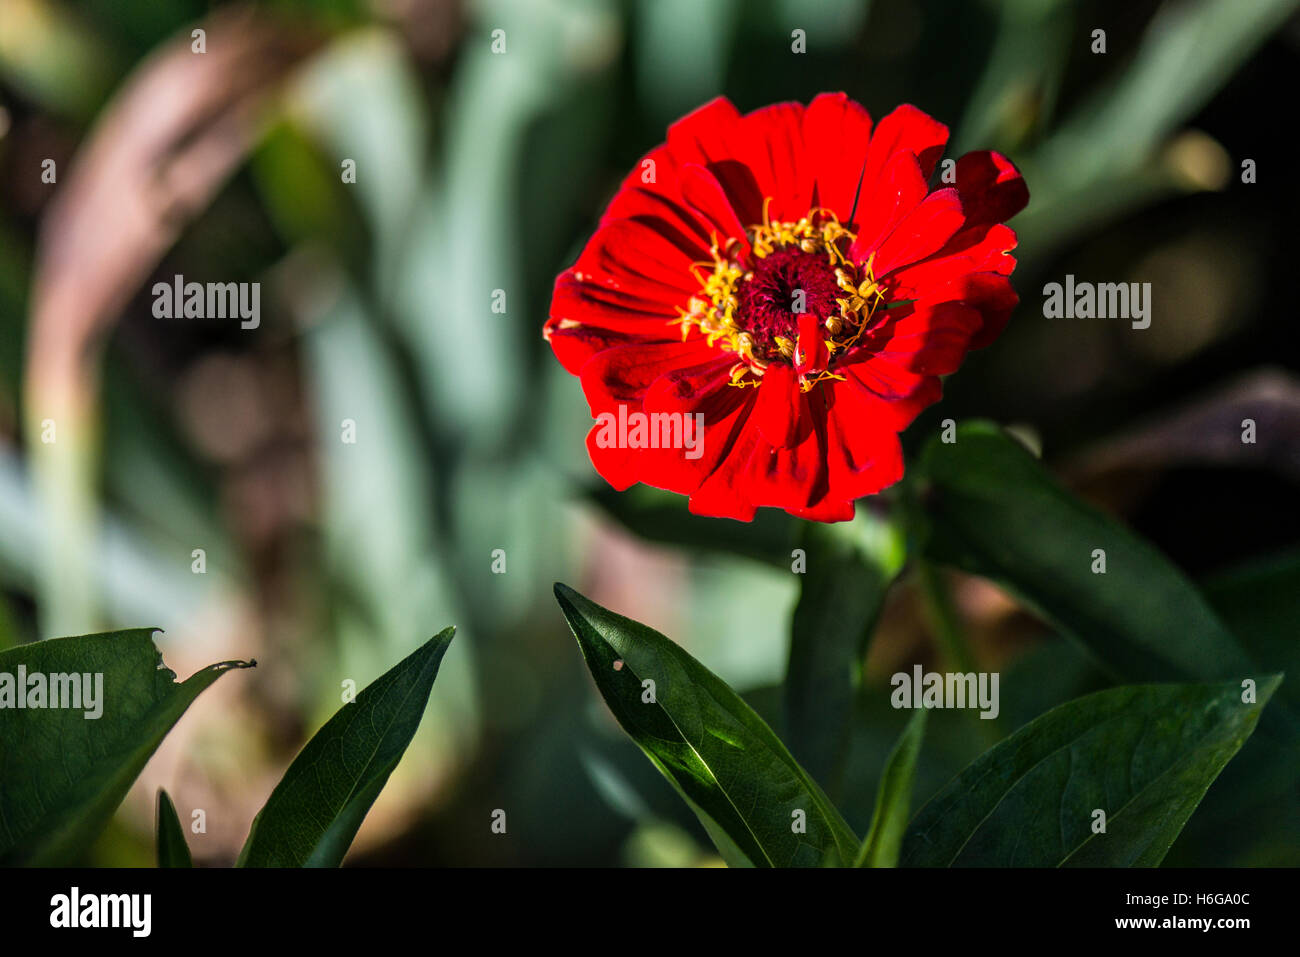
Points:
[(943, 617), (63, 476)]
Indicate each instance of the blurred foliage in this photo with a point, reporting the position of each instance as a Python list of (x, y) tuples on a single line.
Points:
[(478, 171)]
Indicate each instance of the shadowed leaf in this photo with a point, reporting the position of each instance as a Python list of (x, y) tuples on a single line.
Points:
[(893, 800), (62, 773), (172, 849), (1142, 755), (994, 511)]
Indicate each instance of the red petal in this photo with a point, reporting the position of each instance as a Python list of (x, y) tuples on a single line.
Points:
[(899, 191), (665, 214), (632, 257), (776, 411), (795, 477), (863, 454), (702, 191), (932, 339), (697, 388), (722, 494), (625, 373), (827, 510), (590, 304), (910, 129), (993, 296), (574, 344), (992, 189), (756, 474), (673, 471), (700, 389), (706, 134), (770, 144), (810, 351), (989, 292), (836, 134), (923, 232), (981, 249), (890, 394)]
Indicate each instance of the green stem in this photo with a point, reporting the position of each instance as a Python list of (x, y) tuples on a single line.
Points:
[(944, 618)]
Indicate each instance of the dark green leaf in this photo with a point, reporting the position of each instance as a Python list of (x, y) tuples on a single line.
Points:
[(315, 811), (1047, 674), (62, 774), (1142, 754), (1260, 602), (1249, 818), (172, 849), (849, 570), (893, 800), (748, 791), (994, 511)]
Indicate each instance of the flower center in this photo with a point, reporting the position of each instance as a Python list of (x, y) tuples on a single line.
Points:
[(794, 297)]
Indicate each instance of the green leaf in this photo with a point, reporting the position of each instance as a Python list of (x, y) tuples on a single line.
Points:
[(62, 773), (172, 849), (850, 567), (315, 811), (888, 823), (992, 510), (1102, 160), (1260, 601), (735, 774), (1249, 818), (1189, 52), (1143, 754)]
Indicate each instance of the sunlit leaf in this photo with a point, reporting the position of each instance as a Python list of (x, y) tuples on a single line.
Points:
[(757, 804)]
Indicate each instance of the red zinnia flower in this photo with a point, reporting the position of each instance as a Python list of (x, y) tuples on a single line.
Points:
[(789, 277)]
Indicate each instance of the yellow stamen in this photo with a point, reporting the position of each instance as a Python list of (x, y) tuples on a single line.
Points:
[(713, 312)]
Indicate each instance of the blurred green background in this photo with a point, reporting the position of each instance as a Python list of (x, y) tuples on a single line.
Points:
[(479, 171)]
